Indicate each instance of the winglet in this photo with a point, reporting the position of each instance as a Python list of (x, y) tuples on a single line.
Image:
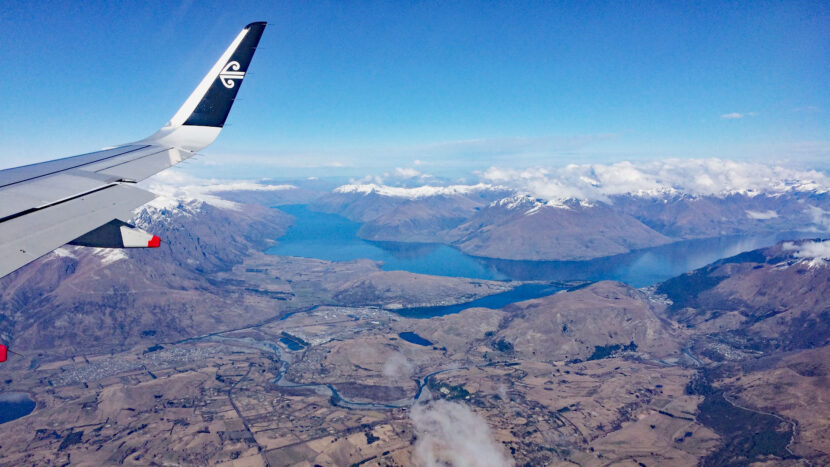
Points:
[(198, 122)]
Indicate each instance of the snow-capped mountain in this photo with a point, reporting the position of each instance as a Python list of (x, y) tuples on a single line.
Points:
[(775, 298), (686, 216), (424, 191), (85, 297), (587, 211), (422, 214)]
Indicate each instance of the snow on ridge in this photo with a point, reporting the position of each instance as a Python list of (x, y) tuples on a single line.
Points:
[(424, 191), (532, 205), (63, 252), (109, 255), (179, 202), (813, 253), (658, 179), (519, 201), (171, 196)]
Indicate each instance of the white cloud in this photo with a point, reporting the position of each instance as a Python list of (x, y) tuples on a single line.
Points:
[(451, 434), (413, 193), (815, 254), (807, 109), (173, 186), (737, 115), (698, 177), (397, 368), (761, 215), (820, 218), (14, 397), (406, 172)]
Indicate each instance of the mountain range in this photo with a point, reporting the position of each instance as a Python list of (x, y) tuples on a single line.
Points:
[(496, 222), (746, 331)]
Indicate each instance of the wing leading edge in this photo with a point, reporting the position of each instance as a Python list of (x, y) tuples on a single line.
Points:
[(44, 206)]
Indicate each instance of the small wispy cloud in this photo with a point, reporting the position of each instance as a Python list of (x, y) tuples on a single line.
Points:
[(807, 109), (762, 215), (451, 434), (398, 369), (815, 253), (14, 397), (737, 115), (406, 172)]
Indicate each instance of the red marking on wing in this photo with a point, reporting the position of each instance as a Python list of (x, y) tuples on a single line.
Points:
[(154, 242)]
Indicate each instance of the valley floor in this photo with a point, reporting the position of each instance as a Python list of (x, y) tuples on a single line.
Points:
[(347, 394)]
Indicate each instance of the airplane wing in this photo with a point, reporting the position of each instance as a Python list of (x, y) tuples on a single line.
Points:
[(84, 199)]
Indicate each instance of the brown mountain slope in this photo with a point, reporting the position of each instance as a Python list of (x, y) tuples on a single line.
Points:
[(406, 219), (685, 216), (589, 323), (87, 297), (761, 300), (523, 228)]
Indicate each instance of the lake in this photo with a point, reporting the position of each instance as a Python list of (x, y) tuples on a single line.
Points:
[(332, 237), (413, 338), (495, 301), (14, 405)]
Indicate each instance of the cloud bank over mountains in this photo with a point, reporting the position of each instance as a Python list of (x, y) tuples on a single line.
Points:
[(814, 253), (696, 177), (584, 182), (424, 191), (175, 186), (569, 213), (601, 182)]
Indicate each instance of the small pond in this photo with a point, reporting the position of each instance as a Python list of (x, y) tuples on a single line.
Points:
[(14, 405)]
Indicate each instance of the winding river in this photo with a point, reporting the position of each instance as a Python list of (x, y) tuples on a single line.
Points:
[(324, 389)]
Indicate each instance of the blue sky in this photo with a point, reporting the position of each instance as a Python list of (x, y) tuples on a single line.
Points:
[(349, 88)]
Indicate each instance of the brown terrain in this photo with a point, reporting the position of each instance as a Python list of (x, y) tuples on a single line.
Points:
[(242, 358), (524, 229)]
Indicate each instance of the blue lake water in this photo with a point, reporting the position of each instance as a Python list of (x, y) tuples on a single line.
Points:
[(291, 344), (414, 338), (14, 405), (332, 237), (495, 301)]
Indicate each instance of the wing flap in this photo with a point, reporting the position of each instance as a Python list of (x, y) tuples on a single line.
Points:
[(35, 234), (146, 166), (42, 169), (133, 165), (51, 189)]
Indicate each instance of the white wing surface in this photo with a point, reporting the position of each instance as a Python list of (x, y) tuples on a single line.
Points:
[(84, 199)]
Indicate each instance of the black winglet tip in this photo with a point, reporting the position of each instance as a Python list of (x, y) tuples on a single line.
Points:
[(256, 23)]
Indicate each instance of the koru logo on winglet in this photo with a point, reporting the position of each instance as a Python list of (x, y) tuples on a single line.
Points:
[(230, 73)]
